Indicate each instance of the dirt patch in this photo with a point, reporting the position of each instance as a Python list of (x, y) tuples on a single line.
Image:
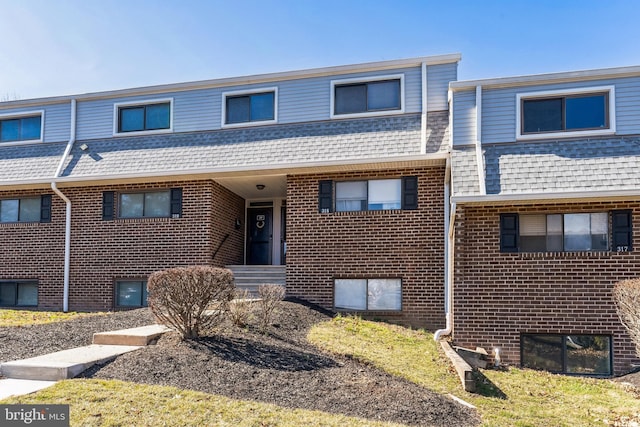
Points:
[(284, 369), (29, 341), (632, 378)]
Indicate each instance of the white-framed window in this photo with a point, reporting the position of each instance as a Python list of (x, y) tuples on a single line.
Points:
[(22, 128), (131, 293), (368, 294), (370, 96), (153, 204), (250, 107), (372, 195), (21, 293), (143, 117), (566, 113)]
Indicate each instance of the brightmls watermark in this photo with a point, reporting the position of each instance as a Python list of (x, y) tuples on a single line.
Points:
[(34, 415)]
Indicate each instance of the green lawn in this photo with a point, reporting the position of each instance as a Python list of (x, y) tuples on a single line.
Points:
[(518, 397), (27, 317), (118, 403)]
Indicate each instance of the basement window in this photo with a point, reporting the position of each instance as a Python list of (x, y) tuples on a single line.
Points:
[(19, 294), (131, 293), (567, 354), (368, 294)]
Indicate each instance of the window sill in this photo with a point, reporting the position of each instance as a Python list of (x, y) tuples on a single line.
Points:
[(563, 135), (249, 124), (574, 254), (25, 142), (367, 114), (21, 224), (144, 219)]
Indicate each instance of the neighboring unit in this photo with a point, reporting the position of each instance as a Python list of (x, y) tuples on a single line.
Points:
[(545, 201)]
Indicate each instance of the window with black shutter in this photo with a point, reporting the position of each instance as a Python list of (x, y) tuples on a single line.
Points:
[(509, 233), (108, 206), (325, 196), (410, 192), (622, 230), (45, 208)]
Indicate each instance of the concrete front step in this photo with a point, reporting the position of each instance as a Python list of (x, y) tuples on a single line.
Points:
[(13, 387), (133, 336), (63, 364)]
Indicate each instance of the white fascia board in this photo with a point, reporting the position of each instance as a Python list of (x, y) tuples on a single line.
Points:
[(440, 157), (535, 79), (564, 195), (243, 80)]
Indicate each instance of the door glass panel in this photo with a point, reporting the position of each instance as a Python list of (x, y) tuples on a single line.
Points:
[(351, 294)]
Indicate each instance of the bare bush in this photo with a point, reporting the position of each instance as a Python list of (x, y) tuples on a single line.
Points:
[(240, 308), (190, 300), (271, 297), (626, 295)]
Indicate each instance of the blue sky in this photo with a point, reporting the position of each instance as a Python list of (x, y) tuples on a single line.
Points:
[(62, 47)]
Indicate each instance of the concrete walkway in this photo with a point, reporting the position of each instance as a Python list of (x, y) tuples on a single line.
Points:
[(33, 374)]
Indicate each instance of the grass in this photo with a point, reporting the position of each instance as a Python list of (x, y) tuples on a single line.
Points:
[(517, 397), (27, 317), (119, 403)]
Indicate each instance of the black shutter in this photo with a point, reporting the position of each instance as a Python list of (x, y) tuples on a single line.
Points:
[(410, 192), (108, 206), (176, 203), (45, 208), (622, 230), (325, 196), (509, 232)]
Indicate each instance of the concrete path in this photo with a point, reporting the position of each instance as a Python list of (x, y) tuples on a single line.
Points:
[(33, 374)]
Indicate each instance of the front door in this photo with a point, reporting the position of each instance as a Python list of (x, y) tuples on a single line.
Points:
[(259, 241)]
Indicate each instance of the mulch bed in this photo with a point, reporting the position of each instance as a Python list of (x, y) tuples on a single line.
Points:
[(280, 368)]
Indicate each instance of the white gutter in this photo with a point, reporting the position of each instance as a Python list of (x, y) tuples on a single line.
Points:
[(479, 157), (67, 224), (449, 219), (423, 119)]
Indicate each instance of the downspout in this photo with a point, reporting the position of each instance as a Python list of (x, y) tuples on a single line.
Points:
[(67, 224), (479, 158), (449, 218), (423, 118)]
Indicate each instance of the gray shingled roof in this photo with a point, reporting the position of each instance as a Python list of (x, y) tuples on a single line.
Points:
[(464, 172), (554, 166), (265, 146), (26, 162)]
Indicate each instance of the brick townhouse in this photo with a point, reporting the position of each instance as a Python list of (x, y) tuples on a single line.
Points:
[(330, 180), (500, 211), (545, 204)]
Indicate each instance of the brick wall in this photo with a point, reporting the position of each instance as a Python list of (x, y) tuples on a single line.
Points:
[(406, 244), (105, 251), (497, 295)]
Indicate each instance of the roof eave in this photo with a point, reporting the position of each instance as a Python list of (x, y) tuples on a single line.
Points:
[(547, 196)]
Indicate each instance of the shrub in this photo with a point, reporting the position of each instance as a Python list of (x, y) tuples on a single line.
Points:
[(240, 308), (270, 298), (190, 300), (626, 295)]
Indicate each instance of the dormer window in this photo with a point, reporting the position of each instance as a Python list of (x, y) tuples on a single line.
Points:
[(367, 97), (143, 117), (26, 127), (247, 108), (566, 113)]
